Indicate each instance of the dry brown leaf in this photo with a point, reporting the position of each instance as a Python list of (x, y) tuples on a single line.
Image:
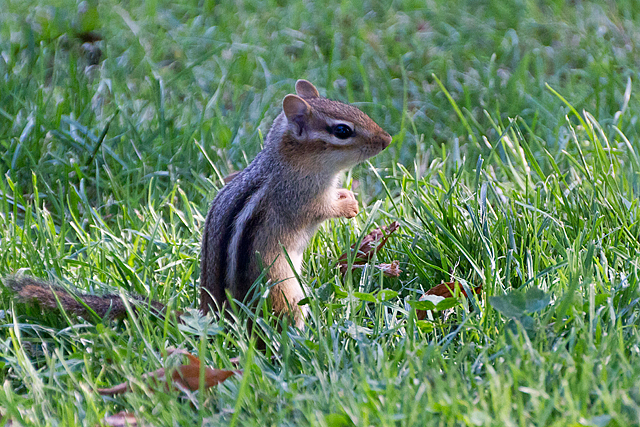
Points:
[(445, 290), (189, 376), (121, 419), (390, 270), (183, 376), (373, 241)]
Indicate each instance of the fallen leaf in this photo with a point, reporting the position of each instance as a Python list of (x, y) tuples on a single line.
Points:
[(182, 377), (447, 289), (121, 419), (444, 290), (373, 241), (390, 270), (189, 376)]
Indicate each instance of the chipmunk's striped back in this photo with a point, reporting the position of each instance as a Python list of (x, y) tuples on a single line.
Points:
[(217, 247), (279, 200)]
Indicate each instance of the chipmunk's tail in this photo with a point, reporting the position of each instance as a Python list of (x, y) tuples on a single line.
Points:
[(49, 296)]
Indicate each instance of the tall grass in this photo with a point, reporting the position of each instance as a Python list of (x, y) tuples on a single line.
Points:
[(514, 165)]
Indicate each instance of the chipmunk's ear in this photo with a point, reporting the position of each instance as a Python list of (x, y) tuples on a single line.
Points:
[(296, 109), (294, 106), (305, 89)]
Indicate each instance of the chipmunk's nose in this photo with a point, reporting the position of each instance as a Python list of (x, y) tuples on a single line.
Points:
[(386, 140)]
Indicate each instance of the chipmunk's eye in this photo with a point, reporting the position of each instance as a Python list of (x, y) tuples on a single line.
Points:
[(342, 131)]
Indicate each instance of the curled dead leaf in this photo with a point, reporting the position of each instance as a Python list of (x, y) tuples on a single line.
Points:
[(188, 376), (447, 289), (182, 377), (444, 290), (373, 241), (390, 270)]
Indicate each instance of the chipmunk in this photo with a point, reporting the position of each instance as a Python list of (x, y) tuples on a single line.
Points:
[(274, 206)]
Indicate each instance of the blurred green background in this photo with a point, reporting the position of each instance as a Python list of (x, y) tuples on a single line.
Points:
[(174, 79)]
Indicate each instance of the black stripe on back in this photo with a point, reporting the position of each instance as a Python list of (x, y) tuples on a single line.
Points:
[(245, 252), (225, 238)]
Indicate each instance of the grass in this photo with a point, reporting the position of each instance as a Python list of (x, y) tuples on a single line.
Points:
[(514, 165)]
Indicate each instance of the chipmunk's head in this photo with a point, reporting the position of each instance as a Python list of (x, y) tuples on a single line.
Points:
[(321, 130)]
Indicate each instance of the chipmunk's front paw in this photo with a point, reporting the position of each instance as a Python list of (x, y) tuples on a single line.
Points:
[(348, 205)]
